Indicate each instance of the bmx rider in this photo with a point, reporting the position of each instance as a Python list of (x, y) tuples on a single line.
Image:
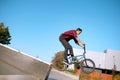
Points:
[(66, 37)]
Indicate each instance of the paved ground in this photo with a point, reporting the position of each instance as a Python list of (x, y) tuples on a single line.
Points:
[(60, 75)]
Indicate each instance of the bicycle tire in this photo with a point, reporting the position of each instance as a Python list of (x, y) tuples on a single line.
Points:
[(59, 65), (89, 68)]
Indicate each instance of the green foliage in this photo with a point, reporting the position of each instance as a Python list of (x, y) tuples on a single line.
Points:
[(57, 55), (4, 34)]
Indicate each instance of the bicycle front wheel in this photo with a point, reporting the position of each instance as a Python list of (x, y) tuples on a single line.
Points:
[(60, 65), (87, 66)]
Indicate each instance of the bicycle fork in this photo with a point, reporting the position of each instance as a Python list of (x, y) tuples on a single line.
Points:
[(86, 63)]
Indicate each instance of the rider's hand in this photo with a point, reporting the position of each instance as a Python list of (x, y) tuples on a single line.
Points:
[(83, 46)]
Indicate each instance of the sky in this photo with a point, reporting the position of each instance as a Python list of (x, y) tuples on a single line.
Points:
[(35, 25)]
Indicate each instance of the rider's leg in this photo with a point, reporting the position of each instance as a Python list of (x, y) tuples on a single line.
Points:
[(65, 44), (67, 47), (65, 54), (71, 50)]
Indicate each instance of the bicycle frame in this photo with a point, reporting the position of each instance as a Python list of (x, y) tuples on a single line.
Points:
[(79, 57)]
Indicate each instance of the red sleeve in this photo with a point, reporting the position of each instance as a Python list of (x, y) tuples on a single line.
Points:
[(75, 36)]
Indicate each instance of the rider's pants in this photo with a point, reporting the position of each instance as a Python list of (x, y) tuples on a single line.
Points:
[(67, 46)]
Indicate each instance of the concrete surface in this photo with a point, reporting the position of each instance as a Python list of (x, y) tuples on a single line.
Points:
[(62, 75), (14, 62), (18, 77)]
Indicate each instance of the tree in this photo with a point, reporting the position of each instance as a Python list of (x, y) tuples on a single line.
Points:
[(57, 55), (4, 34)]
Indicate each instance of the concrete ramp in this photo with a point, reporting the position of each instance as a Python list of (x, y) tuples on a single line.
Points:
[(15, 64), (18, 77)]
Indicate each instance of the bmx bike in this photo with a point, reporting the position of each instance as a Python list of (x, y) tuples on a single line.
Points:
[(86, 65)]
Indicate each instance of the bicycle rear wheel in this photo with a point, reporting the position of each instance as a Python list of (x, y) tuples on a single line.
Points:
[(87, 66), (60, 65)]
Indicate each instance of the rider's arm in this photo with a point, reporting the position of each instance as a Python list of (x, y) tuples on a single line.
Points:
[(79, 42)]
